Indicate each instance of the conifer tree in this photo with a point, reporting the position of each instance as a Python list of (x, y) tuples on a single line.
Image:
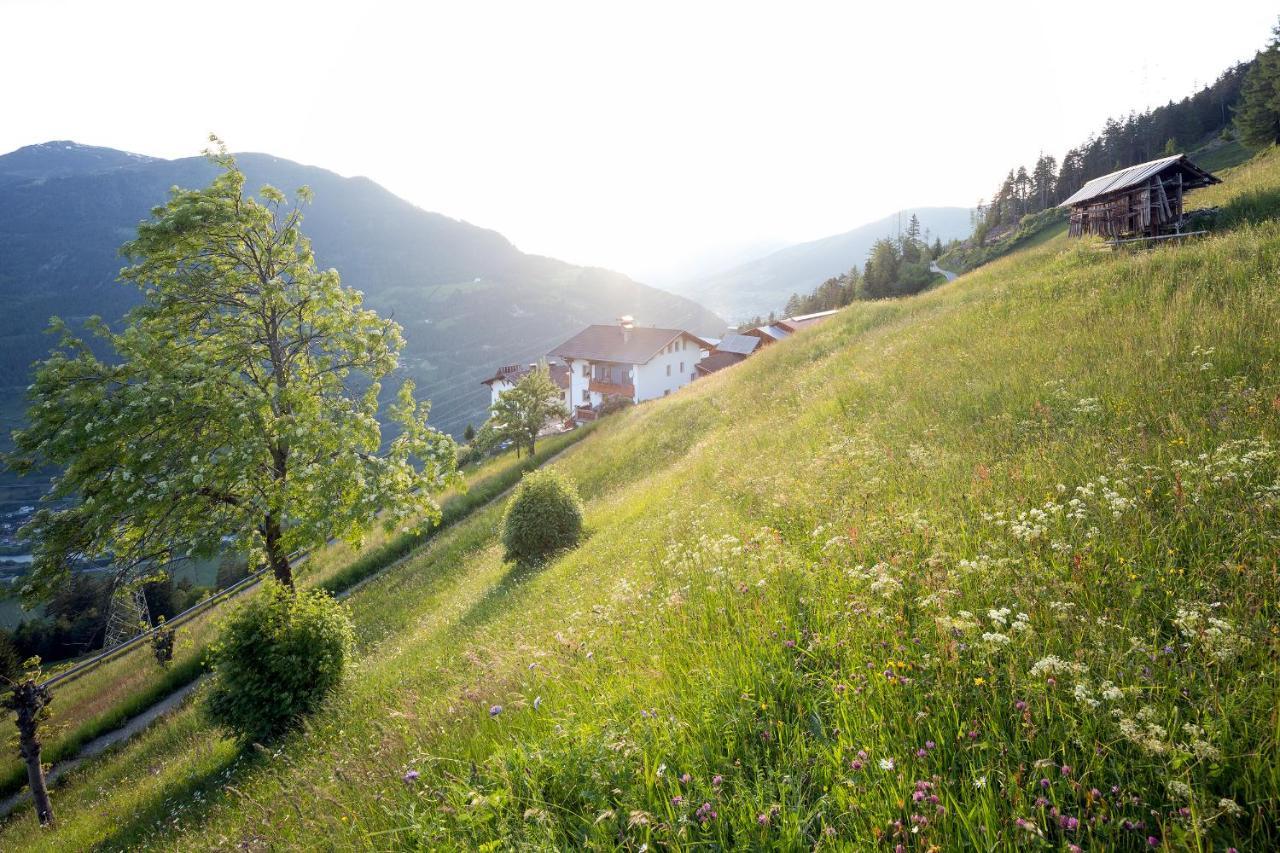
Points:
[(1258, 115)]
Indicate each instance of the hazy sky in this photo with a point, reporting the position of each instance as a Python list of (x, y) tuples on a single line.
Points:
[(640, 136)]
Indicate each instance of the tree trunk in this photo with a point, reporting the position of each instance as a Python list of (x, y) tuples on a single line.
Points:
[(28, 700), (276, 556)]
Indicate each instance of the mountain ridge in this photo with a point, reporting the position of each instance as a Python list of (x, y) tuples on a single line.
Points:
[(762, 285), (467, 297)]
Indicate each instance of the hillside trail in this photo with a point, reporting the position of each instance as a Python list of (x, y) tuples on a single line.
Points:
[(143, 719), (933, 267)]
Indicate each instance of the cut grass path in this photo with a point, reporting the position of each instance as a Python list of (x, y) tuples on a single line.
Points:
[(112, 703)]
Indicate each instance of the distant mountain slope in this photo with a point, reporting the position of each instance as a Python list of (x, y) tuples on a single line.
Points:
[(468, 299), (763, 285)]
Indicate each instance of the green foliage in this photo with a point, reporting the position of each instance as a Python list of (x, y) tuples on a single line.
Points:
[(469, 433), (1257, 117), (276, 659), (614, 404), (225, 409), (1032, 228), (102, 700), (162, 643), (543, 517), (527, 409)]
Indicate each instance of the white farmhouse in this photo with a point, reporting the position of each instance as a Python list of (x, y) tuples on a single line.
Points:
[(626, 360)]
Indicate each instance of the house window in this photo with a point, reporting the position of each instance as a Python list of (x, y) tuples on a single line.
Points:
[(682, 367), (666, 392), (586, 396), (668, 370), (586, 370)]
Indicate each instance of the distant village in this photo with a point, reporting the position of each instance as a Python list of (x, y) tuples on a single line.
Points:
[(623, 363)]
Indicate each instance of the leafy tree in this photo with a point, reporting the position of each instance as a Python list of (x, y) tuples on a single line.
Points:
[(1258, 115), (524, 411), (241, 400), (469, 434)]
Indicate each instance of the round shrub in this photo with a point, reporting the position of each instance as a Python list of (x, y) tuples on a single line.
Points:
[(543, 517), (276, 659)]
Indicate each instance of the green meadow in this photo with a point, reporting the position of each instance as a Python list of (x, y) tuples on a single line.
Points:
[(993, 567), (106, 697)]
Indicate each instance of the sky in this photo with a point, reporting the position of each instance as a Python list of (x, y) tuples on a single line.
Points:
[(659, 139)]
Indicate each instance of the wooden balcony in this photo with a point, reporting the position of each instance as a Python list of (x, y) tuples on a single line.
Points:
[(611, 389)]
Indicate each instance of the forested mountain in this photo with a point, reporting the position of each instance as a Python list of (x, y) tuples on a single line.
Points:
[(468, 299), (1135, 138), (764, 285)]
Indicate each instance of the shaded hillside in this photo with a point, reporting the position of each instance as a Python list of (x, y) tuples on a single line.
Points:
[(467, 298), (763, 285)]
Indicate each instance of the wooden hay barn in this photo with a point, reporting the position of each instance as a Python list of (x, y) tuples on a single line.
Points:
[(1143, 201)]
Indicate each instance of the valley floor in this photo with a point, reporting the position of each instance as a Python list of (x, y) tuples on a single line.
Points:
[(994, 567)]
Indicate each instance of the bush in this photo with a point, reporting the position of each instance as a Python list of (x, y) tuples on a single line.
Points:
[(543, 517), (277, 657)]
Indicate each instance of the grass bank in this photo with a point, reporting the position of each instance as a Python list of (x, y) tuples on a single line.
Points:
[(103, 699)]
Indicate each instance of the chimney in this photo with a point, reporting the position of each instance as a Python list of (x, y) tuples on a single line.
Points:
[(627, 324)]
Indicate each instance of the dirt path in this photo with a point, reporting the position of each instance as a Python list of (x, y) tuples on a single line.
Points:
[(933, 267)]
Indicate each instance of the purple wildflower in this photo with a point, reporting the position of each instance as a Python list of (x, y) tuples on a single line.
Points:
[(705, 813), (685, 778), (929, 744), (762, 819), (1066, 770), (717, 780), (677, 800), (495, 710), (411, 777)]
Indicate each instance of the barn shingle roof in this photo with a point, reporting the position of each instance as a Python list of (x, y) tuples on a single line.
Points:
[(1123, 179), (740, 344)]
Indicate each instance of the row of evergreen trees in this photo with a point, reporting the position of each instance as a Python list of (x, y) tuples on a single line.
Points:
[(1126, 141), (896, 266)]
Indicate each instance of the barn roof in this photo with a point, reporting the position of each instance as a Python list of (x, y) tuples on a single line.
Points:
[(612, 343), (1132, 176), (719, 361), (741, 344)]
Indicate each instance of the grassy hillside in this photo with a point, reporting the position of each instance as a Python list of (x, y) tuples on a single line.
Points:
[(993, 567), (105, 697)]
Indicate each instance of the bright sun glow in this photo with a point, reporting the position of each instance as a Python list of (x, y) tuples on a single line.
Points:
[(650, 137)]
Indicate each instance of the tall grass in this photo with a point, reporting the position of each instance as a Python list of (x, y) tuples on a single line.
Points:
[(105, 698), (989, 568)]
